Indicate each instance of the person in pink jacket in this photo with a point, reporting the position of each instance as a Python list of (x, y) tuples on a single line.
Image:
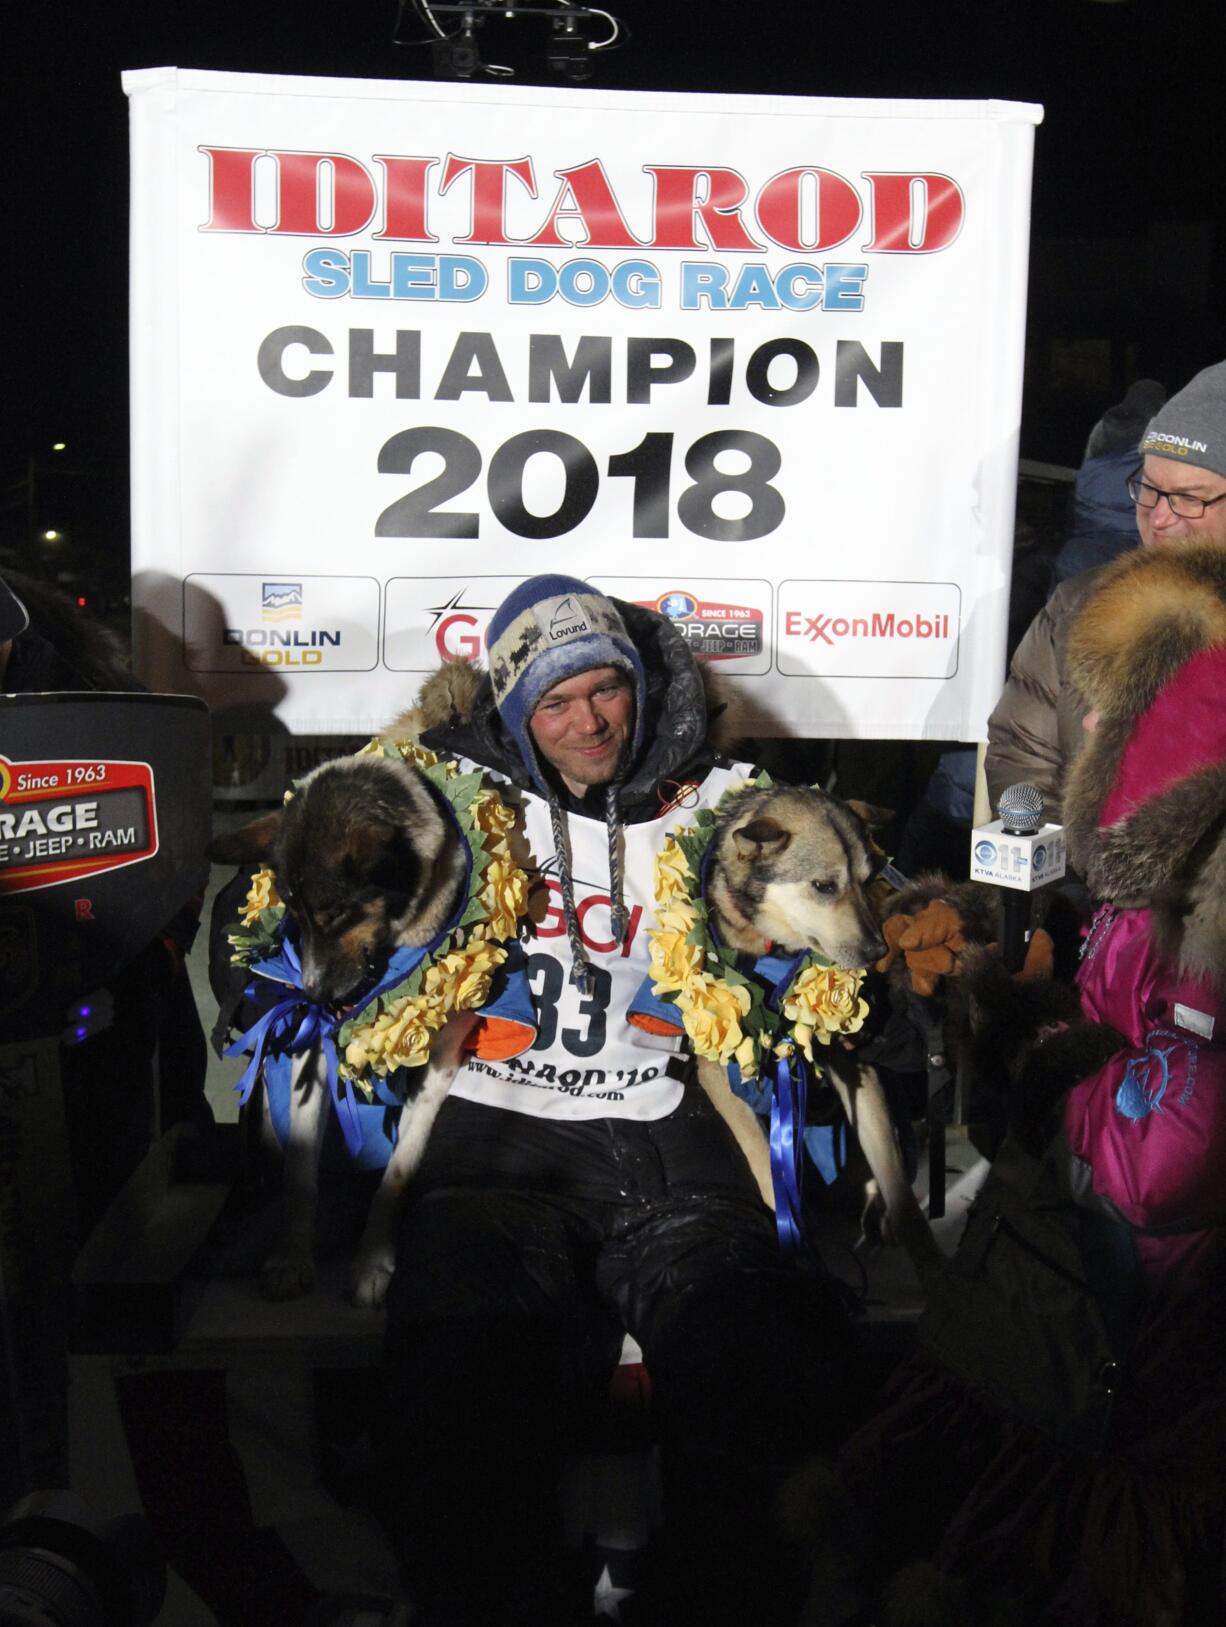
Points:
[(1055, 1451), (1145, 815)]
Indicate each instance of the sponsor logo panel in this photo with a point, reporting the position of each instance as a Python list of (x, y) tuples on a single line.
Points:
[(862, 629), (241, 623), (281, 601), (60, 821), (722, 619), (433, 618)]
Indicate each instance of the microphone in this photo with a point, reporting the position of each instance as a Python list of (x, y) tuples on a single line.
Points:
[(1021, 810), (1021, 814), (1018, 853)]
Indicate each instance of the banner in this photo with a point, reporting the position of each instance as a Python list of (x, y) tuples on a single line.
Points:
[(755, 361)]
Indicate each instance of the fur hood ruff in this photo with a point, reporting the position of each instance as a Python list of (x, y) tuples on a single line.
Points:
[(685, 698), (1156, 834)]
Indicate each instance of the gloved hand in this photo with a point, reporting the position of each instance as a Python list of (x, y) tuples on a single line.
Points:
[(1040, 958), (930, 942)]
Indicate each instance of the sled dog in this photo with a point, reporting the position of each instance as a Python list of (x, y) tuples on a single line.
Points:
[(789, 868), (366, 862)]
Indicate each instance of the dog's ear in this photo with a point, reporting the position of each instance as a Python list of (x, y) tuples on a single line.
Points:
[(382, 856), (249, 843), (875, 818), (760, 836)]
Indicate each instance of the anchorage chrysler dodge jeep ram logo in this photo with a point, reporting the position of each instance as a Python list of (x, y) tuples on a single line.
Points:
[(64, 820), (718, 630)]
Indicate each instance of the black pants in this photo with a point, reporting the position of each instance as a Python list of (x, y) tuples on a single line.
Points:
[(531, 1246)]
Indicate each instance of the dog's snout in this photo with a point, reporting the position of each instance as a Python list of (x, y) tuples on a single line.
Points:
[(314, 986), (856, 953), (324, 981)]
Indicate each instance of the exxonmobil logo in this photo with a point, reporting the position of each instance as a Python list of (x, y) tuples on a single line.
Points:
[(863, 629), (829, 629)]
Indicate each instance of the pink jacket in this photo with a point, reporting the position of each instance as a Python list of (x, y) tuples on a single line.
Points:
[(1151, 1123)]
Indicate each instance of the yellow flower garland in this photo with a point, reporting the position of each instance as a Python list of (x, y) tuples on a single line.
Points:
[(724, 1013), (395, 1031), (261, 895)]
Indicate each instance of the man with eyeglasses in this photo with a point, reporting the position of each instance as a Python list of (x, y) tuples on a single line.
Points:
[(1165, 516), (1179, 493)]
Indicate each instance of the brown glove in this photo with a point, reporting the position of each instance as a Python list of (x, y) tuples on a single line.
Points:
[(930, 943), (1040, 958)]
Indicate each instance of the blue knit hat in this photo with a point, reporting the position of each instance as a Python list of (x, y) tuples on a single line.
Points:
[(548, 629)]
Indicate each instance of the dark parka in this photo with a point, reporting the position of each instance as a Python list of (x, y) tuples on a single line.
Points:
[(531, 1243)]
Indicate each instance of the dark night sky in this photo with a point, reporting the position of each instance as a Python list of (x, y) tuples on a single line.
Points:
[(1125, 158)]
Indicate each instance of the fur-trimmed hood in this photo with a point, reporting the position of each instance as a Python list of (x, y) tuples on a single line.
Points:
[(1145, 806), (455, 711)]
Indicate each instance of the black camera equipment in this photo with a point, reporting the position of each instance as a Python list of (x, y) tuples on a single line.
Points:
[(61, 1566), (577, 32)]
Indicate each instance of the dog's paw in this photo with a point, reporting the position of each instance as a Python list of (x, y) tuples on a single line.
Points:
[(874, 1219), (287, 1276), (904, 1226), (368, 1285)]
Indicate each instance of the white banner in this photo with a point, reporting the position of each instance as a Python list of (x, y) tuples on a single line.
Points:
[(396, 346)]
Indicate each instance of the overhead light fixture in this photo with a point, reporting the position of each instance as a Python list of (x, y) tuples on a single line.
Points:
[(456, 55), (569, 53), (577, 32)]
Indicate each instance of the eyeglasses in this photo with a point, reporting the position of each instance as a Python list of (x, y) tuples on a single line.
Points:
[(1181, 503)]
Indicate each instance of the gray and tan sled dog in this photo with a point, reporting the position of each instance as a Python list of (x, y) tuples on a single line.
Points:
[(790, 868), (366, 862)]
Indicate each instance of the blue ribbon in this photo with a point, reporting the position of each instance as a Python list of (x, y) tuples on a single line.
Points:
[(291, 1025), (786, 1101), (787, 1146), (826, 1145)]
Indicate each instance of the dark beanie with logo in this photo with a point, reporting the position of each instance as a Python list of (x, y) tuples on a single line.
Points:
[(1191, 426)]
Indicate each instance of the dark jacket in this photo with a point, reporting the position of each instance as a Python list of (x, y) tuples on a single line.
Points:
[(62, 649), (1103, 523), (460, 718)]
